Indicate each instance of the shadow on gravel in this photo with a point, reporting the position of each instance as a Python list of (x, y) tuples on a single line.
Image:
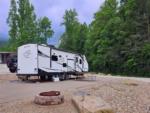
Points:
[(30, 81)]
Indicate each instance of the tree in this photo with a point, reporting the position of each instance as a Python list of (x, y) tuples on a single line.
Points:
[(25, 27), (81, 37), (102, 36), (118, 39), (75, 33), (12, 22), (135, 15), (44, 30), (71, 28), (26, 22)]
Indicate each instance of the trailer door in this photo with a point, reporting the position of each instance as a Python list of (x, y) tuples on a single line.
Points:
[(79, 63), (27, 59), (70, 65)]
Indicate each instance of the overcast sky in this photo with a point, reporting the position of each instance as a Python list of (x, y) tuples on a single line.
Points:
[(54, 10)]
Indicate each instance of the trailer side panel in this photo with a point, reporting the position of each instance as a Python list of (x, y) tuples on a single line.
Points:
[(27, 59)]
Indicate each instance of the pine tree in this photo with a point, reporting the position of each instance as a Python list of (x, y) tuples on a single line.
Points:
[(12, 21), (71, 28), (75, 33), (102, 36), (26, 22), (82, 34), (24, 27), (44, 30)]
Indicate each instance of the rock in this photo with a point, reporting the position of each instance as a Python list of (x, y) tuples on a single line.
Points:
[(91, 104), (130, 82)]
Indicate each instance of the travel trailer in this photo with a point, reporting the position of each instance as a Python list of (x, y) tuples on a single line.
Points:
[(48, 62)]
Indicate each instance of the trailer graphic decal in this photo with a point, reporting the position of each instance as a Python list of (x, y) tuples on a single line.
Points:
[(42, 54)]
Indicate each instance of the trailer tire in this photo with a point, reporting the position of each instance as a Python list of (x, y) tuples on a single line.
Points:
[(42, 78), (12, 70), (62, 77), (67, 77), (23, 78)]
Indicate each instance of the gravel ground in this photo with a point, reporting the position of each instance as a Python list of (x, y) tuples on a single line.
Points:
[(4, 69), (17, 96), (125, 95)]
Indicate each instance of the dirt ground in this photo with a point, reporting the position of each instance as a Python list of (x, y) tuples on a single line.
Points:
[(123, 94)]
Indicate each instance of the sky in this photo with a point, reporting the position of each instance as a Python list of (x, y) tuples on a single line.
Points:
[(54, 10)]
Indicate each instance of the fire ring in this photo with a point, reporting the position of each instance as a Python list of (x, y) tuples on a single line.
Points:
[(49, 98), (50, 93)]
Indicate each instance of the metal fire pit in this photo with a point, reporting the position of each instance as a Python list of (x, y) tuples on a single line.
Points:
[(49, 98)]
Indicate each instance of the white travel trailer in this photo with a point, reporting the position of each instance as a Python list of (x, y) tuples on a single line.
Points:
[(48, 62)]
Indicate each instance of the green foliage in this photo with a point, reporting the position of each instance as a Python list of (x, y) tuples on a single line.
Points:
[(12, 20), (118, 39), (44, 30), (71, 25), (75, 35), (26, 22), (25, 27)]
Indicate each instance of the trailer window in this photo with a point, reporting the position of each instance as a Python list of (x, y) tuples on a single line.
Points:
[(80, 61), (54, 58), (64, 65), (76, 59)]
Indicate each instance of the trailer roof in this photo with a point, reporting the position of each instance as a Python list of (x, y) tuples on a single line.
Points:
[(52, 46), (61, 49)]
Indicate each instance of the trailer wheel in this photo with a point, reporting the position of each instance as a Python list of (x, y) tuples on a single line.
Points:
[(12, 70), (42, 78), (23, 78), (50, 78), (67, 77), (62, 77)]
